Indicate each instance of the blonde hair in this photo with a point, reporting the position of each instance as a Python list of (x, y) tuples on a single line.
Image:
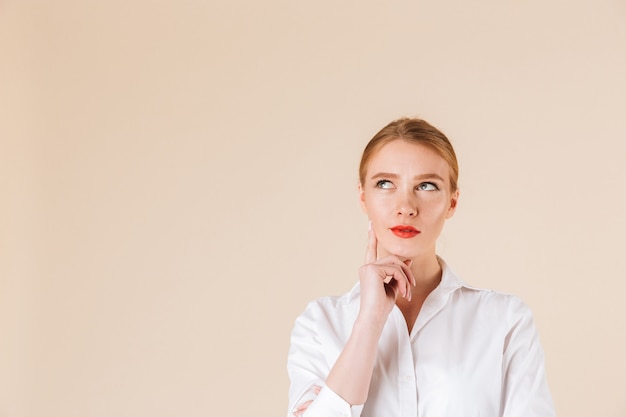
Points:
[(416, 131)]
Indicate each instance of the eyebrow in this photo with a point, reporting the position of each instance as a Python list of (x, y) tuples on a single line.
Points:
[(417, 177)]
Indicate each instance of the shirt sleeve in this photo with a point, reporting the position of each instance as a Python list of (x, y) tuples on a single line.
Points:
[(525, 387), (308, 365)]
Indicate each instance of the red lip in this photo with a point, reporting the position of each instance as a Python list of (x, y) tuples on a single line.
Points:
[(405, 232)]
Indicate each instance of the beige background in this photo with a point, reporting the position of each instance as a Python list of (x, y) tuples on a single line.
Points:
[(178, 179)]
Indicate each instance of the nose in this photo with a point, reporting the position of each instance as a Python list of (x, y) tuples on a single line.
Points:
[(407, 204)]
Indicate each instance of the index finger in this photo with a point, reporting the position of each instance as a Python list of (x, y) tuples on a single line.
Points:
[(371, 253)]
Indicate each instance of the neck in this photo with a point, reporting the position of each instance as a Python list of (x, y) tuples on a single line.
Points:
[(427, 273)]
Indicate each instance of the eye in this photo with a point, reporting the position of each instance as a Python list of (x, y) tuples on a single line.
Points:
[(384, 184), (428, 186)]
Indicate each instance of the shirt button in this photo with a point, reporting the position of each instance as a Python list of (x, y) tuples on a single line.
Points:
[(407, 378)]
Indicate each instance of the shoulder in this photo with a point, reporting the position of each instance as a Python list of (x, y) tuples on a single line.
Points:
[(330, 306), (506, 314), (338, 312)]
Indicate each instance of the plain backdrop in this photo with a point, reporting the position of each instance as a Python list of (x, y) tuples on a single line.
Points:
[(178, 179)]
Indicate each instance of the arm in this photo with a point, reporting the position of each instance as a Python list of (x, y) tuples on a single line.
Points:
[(347, 383), (314, 348), (525, 388), (338, 392)]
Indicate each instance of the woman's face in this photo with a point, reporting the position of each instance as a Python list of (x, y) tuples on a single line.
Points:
[(406, 195)]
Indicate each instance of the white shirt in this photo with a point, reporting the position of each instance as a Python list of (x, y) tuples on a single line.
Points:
[(471, 353)]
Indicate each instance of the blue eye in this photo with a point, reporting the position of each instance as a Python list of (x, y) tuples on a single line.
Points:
[(427, 186), (384, 184)]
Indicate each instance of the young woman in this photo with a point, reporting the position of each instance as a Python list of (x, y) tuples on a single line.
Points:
[(411, 338)]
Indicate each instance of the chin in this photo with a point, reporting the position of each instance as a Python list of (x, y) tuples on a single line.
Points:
[(402, 252)]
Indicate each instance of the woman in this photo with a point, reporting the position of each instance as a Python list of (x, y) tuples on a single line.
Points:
[(411, 338)]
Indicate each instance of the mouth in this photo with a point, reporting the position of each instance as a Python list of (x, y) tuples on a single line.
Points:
[(405, 232)]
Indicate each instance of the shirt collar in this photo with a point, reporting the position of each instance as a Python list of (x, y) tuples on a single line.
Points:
[(449, 280)]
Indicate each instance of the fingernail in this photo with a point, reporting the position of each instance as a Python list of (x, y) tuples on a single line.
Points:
[(369, 226)]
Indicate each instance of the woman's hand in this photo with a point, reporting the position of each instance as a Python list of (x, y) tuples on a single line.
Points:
[(382, 282)]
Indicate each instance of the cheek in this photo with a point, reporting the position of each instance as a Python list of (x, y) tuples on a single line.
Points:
[(378, 216), (434, 211), (373, 206)]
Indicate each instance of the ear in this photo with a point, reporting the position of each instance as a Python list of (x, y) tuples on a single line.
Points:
[(362, 199), (454, 200)]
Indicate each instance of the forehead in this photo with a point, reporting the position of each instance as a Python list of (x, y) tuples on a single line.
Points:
[(402, 157)]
